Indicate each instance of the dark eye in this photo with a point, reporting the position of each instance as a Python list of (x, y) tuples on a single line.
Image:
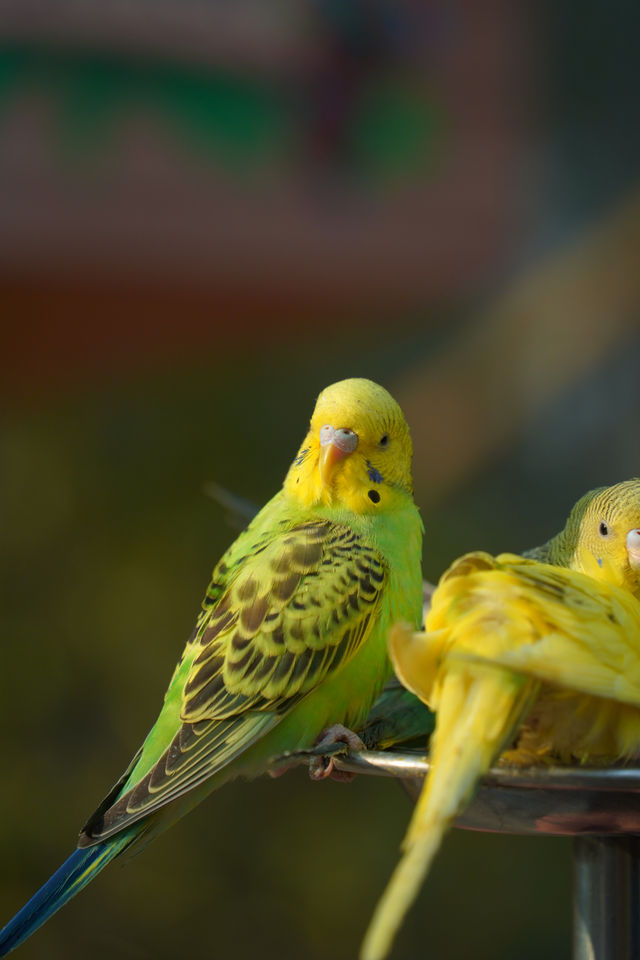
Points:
[(603, 529), (384, 441), (374, 496)]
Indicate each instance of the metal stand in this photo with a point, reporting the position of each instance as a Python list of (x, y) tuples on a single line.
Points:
[(606, 898), (600, 808)]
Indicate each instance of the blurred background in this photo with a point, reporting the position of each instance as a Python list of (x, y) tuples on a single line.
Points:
[(208, 212)]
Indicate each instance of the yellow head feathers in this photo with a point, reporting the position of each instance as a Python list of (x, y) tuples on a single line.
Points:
[(602, 536), (357, 453)]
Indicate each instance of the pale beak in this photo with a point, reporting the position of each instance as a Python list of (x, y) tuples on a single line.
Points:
[(633, 548), (335, 445)]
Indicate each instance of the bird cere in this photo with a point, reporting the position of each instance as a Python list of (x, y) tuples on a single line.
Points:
[(524, 659)]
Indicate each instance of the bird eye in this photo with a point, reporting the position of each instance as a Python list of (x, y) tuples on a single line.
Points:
[(603, 529), (384, 440), (374, 496)]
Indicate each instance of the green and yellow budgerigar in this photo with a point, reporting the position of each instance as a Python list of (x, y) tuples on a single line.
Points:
[(542, 657), (292, 635)]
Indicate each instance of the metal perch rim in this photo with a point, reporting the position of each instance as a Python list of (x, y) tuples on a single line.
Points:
[(564, 801)]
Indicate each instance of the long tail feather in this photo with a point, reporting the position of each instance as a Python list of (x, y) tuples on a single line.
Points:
[(74, 874), (477, 713)]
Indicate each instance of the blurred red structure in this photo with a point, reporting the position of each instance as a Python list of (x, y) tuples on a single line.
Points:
[(141, 214)]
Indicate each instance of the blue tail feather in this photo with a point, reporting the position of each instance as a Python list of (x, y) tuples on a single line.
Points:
[(74, 874)]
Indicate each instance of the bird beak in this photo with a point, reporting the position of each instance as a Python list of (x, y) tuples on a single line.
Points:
[(633, 548), (335, 445)]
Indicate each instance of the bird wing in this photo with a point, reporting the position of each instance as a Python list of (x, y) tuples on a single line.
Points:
[(572, 630), (296, 609), (417, 656)]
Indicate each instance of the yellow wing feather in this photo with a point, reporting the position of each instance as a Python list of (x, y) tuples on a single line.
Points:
[(558, 625)]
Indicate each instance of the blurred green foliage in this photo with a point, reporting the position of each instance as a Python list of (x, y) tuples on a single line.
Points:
[(244, 123)]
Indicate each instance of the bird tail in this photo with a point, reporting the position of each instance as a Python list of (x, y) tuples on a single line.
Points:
[(74, 874), (477, 712)]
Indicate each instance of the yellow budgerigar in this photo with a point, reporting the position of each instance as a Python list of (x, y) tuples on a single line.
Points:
[(539, 654), (291, 637)]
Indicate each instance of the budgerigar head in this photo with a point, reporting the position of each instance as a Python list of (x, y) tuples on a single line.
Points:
[(604, 526), (357, 453)]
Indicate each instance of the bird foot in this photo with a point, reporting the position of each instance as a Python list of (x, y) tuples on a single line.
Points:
[(322, 766)]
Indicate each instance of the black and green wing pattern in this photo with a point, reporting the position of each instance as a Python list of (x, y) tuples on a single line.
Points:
[(292, 612)]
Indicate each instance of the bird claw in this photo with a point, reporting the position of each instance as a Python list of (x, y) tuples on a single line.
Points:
[(333, 742), (322, 762)]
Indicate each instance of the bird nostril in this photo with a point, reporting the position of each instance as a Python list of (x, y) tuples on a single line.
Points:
[(327, 434)]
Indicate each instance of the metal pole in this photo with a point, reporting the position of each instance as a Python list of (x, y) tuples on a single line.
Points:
[(606, 898)]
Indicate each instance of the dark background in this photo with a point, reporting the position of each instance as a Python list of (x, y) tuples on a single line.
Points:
[(207, 214)]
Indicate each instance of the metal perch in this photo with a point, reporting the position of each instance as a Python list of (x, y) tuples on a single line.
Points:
[(599, 808)]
